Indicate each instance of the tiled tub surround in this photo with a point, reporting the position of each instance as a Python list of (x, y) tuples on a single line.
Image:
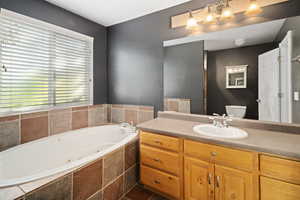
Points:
[(19, 129), (109, 178), (177, 105), (130, 113)]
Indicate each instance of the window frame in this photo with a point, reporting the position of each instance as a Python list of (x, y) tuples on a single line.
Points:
[(60, 30)]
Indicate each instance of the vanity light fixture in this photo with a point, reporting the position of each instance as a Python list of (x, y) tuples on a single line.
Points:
[(210, 18), (191, 22), (254, 8), (227, 12)]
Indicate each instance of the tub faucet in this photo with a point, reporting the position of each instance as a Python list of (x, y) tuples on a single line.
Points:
[(128, 125)]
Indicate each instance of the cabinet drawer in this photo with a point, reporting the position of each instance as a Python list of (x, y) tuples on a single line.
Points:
[(160, 181), (220, 155), (282, 169), (277, 190), (157, 158), (161, 141)]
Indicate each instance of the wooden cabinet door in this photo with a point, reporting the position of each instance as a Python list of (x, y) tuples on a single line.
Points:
[(232, 184), (199, 181), (278, 190)]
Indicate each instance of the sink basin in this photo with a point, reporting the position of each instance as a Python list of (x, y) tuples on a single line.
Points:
[(213, 131)]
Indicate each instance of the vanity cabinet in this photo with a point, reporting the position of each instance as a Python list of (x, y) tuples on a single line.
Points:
[(191, 170), (198, 179), (217, 173), (162, 164), (280, 178)]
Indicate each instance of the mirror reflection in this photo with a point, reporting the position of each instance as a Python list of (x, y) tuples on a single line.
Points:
[(250, 72)]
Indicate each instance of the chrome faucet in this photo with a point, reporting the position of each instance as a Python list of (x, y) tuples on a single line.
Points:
[(220, 121), (128, 125)]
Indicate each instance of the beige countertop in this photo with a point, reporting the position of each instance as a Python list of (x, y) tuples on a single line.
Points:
[(279, 143)]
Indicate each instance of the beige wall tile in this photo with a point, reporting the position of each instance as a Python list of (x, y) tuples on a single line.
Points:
[(87, 181), (131, 116), (131, 154), (60, 121), (117, 115), (115, 190), (9, 118), (113, 166), (9, 134), (144, 116), (59, 189), (79, 108), (34, 115), (131, 177), (79, 119), (97, 116), (34, 128)]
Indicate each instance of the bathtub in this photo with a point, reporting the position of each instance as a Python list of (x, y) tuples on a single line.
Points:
[(55, 154)]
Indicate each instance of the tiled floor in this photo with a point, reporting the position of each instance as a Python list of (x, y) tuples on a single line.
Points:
[(139, 193)]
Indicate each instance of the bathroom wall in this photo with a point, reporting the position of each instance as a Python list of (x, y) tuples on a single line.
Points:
[(19, 129), (135, 56), (294, 25), (184, 74), (47, 12), (217, 94)]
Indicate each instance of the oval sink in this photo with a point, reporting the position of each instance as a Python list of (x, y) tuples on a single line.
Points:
[(213, 131)]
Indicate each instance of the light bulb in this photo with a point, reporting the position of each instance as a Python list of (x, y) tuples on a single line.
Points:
[(227, 12), (254, 8), (210, 18), (191, 23)]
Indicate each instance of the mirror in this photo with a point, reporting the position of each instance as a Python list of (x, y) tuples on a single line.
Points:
[(250, 72)]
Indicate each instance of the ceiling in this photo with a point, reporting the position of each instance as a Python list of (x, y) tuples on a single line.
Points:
[(249, 35), (113, 12)]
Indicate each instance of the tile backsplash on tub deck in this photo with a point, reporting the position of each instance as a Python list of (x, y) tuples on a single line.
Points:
[(19, 129), (109, 177)]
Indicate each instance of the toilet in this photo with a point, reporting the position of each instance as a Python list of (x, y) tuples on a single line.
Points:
[(236, 111)]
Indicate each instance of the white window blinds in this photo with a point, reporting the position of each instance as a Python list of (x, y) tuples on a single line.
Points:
[(42, 66)]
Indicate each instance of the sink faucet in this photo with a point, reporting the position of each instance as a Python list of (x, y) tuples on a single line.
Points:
[(220, 121)]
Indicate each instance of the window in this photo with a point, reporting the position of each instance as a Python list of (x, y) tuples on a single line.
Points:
[(42, 66)]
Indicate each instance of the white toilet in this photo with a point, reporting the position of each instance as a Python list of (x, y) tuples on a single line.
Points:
[(236, 111)]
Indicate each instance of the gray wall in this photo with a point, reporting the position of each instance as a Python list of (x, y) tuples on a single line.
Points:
[(135, 56), (42, 10), (217, 94), (184, 74), (293, 24)]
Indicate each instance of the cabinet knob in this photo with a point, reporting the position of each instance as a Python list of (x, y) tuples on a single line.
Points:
[(158, 142), (156, 160), (213, 153), (156, 182)]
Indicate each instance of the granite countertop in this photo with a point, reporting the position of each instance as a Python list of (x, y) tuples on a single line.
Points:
[(278, 143)]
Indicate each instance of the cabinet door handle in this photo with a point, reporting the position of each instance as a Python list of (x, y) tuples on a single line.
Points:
[(209, 178), (156, 182), (218, 181), (158, 142)]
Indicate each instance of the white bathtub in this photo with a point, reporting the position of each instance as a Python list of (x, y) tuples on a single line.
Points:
[(49, 156)]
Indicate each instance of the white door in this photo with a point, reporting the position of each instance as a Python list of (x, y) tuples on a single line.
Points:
[(268, 86), (285, 48)]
